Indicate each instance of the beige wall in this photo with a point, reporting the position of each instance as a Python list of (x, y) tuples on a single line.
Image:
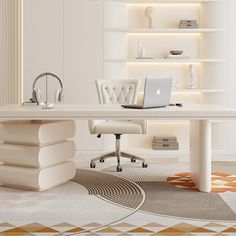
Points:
[(43, 40), (65, 37), (83, 60)]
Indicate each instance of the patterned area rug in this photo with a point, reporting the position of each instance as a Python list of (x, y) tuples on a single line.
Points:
[(121, 229), (220, 182), (135, 202)]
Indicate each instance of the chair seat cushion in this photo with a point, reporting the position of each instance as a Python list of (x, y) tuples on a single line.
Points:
[(118, 127)]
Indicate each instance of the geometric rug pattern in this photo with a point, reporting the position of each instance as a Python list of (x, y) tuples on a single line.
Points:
[(139, 223), (111, 187), (121, 229), (220, 182)]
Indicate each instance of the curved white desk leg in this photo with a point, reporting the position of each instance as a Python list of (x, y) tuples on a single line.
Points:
[(200, 154)]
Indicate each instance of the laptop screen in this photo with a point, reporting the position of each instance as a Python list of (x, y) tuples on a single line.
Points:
[(157, 91)]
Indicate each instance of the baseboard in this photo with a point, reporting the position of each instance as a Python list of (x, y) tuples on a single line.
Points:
[(182, 155), (223, 155)]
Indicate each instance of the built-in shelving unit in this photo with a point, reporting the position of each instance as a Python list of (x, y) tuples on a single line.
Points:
[(126, 24)]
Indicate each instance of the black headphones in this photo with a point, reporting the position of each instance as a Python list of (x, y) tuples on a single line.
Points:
[(37, 94)]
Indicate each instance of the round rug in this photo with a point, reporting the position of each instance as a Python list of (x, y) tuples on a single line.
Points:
[(91, 201), (220, 182), (95, 201), (165, 199), (111, 188)]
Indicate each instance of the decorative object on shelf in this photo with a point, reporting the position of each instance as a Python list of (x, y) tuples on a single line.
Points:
[(188, 24), (149, 16), (141, 51), (177, 54), (165, 143), (175, 85), (192, 78)]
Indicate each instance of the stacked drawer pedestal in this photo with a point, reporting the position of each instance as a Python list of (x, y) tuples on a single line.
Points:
[(36, 155)]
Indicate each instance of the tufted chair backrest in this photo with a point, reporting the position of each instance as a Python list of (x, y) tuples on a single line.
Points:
[(117, 91)]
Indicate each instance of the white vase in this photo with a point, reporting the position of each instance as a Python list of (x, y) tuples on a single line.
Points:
[(192, 77), (141, 50)]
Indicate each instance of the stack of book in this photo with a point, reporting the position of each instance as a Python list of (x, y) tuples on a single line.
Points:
[(36, 155), (165, 143), (174, 57), (188, 24)]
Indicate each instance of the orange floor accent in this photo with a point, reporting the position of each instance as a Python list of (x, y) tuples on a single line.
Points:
[(220, 182)]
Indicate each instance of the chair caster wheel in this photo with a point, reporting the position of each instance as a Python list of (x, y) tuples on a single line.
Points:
[(102, 160), (145, 165), (119, 168), (133, 160), (92, 165)]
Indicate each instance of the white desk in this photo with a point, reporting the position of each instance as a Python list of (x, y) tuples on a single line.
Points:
[(200, 117)]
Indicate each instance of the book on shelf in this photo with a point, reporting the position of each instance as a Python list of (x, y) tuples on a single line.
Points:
[(165, 143), (165, 146), (188, 26), (188, 21), (37, 156), (164, 139), (183, 57), (144, 58), (37, 179)]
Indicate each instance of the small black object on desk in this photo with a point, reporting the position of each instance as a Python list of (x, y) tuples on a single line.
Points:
[(176, 104)]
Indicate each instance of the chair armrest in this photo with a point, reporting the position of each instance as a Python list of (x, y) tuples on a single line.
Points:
[(92, 125), (143, 124)]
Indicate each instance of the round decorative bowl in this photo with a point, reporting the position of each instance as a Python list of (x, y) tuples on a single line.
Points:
[(176, 52)]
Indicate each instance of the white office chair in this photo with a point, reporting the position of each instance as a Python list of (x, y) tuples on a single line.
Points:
[(117, 92)]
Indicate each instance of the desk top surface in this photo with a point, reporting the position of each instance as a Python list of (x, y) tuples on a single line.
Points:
[(65, 111)]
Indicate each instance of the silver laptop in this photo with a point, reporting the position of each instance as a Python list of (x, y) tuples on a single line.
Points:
[(157, 92)]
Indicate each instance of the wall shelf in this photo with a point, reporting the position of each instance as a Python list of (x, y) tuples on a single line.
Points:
[(157, 61), (164, 31), (199, 91), (164, 1), (179, 122)]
